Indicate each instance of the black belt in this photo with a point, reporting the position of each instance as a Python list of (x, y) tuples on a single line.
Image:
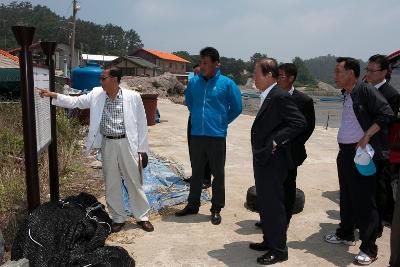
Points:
[(348, 146), (116, 137)]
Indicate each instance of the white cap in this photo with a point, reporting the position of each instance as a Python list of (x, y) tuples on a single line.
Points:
[(364, 155)]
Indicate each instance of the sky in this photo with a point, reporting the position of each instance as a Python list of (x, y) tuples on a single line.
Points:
[(282, 29)]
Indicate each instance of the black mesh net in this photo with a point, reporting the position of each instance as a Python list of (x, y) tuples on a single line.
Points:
[(71, 232)]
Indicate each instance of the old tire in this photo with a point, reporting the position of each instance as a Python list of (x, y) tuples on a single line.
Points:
[(251, 200), (299, 202)]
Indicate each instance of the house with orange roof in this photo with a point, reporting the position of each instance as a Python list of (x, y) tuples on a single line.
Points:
[(166, 61), (8, 61)]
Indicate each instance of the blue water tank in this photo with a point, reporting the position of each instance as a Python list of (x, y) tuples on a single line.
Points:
[(86, 77)]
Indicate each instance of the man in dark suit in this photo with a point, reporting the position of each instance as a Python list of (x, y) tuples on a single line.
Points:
[(377, 71), (287, 76), (305, 104), (277, 123)]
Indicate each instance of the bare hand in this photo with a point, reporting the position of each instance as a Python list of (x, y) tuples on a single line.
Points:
[(47, 93), (273, 148), (145, 159), (363, 142)]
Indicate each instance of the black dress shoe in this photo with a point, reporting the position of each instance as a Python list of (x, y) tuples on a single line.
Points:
[(258, 224), (146, 225), (206, 185), (272, 256), (259, 246), (187, 211), (215, 218), (116, 227)]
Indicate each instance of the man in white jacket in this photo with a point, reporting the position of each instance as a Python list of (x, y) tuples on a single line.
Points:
[(118, 126)]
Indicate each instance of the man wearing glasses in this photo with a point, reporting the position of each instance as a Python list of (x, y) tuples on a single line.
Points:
[(305, 104), (118, 126), (377, 71)]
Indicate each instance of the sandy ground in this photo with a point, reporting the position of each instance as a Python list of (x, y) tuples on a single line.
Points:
[(194, 241)]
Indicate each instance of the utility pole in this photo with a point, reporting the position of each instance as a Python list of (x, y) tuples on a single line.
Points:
[(5, 34), (74, 11)]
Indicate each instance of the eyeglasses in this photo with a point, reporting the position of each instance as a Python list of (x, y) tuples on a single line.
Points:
[(102, 78), (369, 70)]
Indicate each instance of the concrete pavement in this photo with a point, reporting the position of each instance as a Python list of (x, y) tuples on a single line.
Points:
[(194, 241)]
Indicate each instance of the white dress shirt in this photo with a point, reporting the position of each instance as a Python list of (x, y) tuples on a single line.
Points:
[(377, 86), (291, 90), (265, 93)]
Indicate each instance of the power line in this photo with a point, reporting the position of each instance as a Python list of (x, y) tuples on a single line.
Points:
[(68, 9)]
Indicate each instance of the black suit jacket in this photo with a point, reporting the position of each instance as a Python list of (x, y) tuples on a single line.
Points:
[(305, 105), (392, 97), (277, 120)]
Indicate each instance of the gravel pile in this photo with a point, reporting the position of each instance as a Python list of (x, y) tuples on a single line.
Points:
[(165, 85)]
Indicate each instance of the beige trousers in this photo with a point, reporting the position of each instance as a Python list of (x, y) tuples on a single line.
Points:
[(117, 159)]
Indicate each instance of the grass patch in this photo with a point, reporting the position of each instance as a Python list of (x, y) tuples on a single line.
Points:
[(13, 205)]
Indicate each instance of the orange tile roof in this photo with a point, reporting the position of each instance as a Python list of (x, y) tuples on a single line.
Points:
[(4, 53), (165, 55)]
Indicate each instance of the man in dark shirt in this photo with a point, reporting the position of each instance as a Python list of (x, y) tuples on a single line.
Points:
[(376, 72), (365, 116)]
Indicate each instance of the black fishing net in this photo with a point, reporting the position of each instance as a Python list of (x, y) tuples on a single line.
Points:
[(70, 232)]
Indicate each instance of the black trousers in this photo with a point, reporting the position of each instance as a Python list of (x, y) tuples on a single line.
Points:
[(395, 233), (384, 193), (212, 150), (357, 202), (270, 180), (207, 170), (290, 193)]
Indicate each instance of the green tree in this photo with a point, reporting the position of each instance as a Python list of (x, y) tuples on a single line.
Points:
[(253, 60), (194, 59), (234, 68), (304, 76), (131, 41), (91, 37)]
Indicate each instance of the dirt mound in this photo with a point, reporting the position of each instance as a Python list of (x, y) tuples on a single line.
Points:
[(165, 85), (326, 87)]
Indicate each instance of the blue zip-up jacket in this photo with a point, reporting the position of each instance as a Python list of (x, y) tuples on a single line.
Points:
[(213, 104)]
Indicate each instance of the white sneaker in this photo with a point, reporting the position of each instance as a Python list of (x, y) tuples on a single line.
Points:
[(364, 259), (334, 239)]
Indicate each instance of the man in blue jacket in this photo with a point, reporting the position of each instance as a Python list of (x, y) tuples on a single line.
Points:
[(214, 101)]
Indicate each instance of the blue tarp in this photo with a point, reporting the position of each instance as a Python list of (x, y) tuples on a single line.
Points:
[(162, 186)]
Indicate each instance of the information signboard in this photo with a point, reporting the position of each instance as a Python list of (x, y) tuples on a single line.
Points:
[(42, 108)]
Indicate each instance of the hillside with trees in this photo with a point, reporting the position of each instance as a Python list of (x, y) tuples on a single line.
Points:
[(111, 39), (240, 70), (93, 38), (322, 67), (304, 76)]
